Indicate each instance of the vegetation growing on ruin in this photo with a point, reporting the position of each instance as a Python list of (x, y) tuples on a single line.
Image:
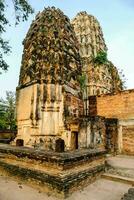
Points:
[(82, 81), (118, 78), (123, 79), (101, 58)]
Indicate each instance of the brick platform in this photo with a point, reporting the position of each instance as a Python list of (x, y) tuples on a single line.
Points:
[(60, 173)]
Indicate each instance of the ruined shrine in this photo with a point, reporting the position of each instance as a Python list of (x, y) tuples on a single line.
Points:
[(55, 57), (48, 86), (62, 140)]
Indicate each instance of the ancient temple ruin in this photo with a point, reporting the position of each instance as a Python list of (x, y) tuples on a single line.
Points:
[(51, 92), (64, 132), (48, 87)]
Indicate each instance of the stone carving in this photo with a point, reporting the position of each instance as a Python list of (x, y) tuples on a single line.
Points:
[(89, 34), (51, 51), (96, 135)]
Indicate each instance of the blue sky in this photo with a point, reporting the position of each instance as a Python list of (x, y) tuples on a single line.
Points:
[(116, 18)]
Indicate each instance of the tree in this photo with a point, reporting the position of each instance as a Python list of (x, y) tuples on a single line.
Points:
[(22, 11), (7, 112)]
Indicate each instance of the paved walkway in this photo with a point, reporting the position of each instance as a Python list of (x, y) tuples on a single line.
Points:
[(122, 161), (122, 166), (100, 190)]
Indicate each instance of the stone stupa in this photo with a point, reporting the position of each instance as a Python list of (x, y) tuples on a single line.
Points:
[(49, 91), (101, 78)]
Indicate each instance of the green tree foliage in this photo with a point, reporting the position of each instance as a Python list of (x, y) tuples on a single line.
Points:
[(22, 11), (101, 58), (7, 112)]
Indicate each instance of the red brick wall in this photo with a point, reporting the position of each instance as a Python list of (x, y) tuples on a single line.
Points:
[(119, 105)]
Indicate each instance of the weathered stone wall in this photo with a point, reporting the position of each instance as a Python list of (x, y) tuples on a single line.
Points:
[(126, 136), (39, 119), (128, 139), (42, 120), (111, 136), (7, 136), (92, 133)]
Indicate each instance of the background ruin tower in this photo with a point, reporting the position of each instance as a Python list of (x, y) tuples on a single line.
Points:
[(48, 92), (101, 77)]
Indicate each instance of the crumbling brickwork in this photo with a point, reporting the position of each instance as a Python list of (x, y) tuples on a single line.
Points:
[(119, 105), (55, 173)]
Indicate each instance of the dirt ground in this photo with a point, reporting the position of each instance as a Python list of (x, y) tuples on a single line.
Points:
[(100, 190)]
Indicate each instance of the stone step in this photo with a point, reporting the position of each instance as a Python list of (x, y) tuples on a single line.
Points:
[(118, 178), (121, 166), (128, 173)]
